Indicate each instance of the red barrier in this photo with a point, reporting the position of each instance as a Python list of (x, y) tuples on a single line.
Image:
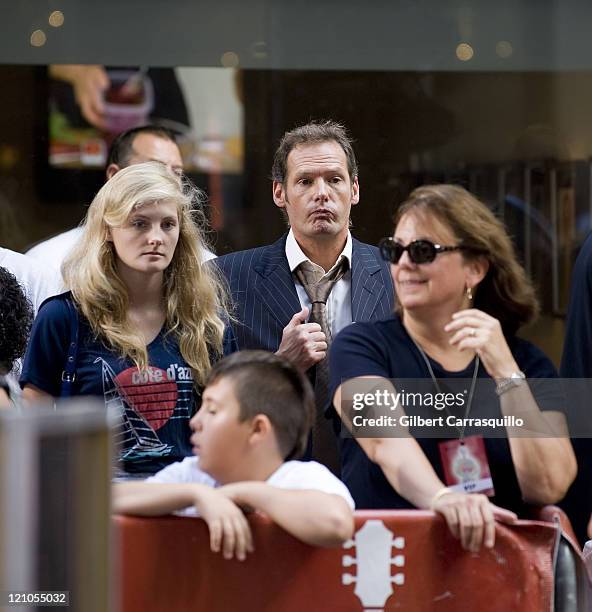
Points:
[(399, 560)]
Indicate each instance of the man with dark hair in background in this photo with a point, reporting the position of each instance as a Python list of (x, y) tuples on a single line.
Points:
[(134, 146), (293, 296)]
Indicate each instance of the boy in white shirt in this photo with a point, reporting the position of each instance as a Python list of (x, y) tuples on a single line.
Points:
[(253, 425)]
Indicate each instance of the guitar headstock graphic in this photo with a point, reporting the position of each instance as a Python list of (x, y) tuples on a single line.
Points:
[(374, 545)]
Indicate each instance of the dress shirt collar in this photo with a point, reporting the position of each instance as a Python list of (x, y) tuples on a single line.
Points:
[(296, 256)]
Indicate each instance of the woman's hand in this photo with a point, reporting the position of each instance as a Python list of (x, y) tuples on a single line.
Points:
[(476, 330), (471, 518)]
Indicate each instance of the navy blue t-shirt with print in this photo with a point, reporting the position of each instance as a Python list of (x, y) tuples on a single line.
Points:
[(156, 404), (385, 349)]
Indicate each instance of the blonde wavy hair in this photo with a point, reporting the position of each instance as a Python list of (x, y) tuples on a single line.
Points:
[(506, 293), (194, 294)]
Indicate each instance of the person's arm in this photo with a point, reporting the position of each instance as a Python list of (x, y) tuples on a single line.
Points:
[(4, 399), (542, 453), (89, 84), (544, 461), (315, 517), (31, 395), (229, 529), (45, 358), (471, 518), (153, 499)]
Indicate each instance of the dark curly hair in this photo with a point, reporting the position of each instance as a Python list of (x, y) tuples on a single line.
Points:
[(16, 316)]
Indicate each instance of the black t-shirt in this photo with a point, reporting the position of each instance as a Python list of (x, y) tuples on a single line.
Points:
[(385, 349)]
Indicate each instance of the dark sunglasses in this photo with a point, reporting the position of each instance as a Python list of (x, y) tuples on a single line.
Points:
[(420, 251)]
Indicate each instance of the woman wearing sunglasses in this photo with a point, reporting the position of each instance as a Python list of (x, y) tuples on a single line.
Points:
[(462, 295)]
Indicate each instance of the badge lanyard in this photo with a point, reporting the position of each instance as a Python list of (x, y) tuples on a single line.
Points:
[(464, 461), (461, 432)]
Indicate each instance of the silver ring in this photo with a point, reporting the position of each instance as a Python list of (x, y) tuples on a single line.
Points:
[(473, 332)]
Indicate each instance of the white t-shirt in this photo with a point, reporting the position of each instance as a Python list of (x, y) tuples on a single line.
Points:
[(38, 281), (304, 475), (55, 250)]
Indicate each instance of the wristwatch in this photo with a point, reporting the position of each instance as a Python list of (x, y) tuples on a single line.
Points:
[(515, 380)]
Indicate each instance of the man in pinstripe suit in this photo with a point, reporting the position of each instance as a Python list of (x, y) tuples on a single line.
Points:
[(315, 183)]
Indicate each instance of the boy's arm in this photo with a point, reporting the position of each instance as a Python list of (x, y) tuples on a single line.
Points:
[(153, 499), (315, 517), (229, 529)]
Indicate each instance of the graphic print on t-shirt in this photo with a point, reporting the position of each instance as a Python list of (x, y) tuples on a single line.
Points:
[(150, 394), (147, 400)]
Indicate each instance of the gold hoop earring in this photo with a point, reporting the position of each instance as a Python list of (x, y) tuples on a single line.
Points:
[(469, 294)]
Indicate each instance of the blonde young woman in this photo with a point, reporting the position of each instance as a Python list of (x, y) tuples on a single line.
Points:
[(142, 323), (462, 296)]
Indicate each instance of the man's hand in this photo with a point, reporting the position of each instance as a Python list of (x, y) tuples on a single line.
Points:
[(304, 344), (229, 529)]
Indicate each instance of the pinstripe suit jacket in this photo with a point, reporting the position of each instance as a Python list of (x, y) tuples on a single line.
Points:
[(265, 299)]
